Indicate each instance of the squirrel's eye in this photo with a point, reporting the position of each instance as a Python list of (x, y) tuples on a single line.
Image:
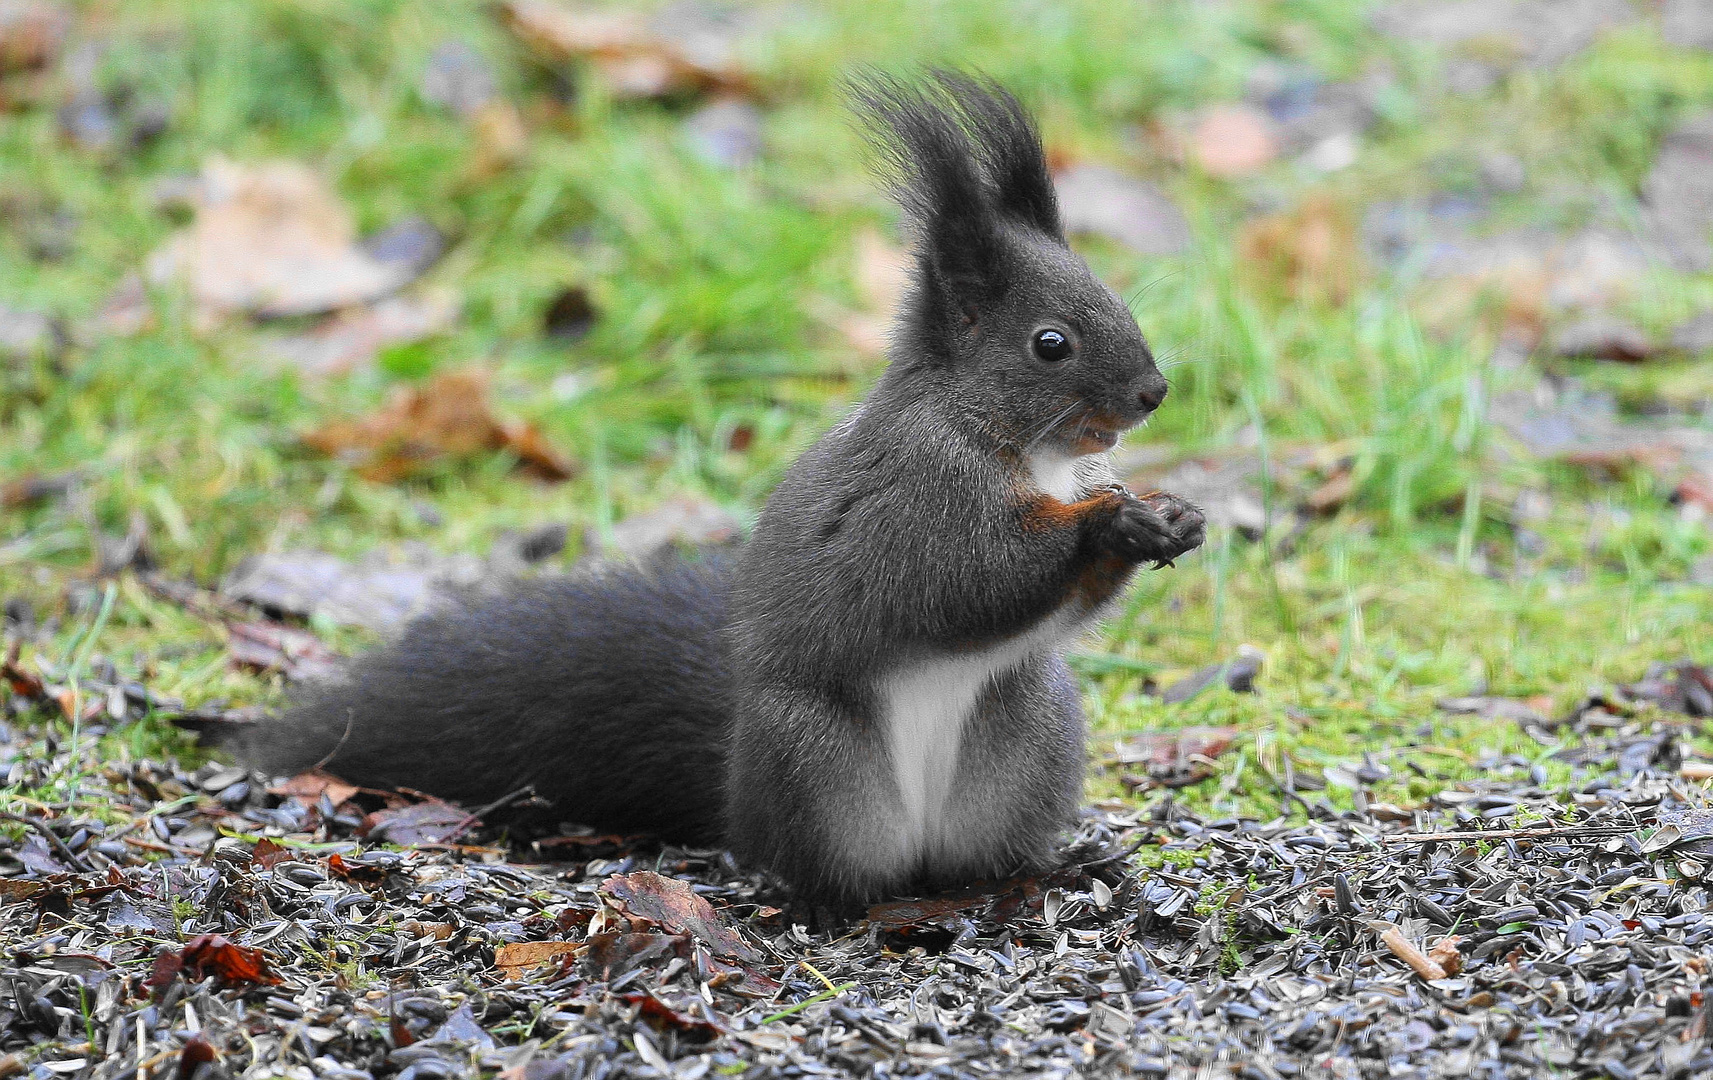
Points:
[(1052, 345)]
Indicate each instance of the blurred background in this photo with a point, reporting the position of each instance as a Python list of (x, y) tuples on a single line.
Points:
[(306, 307)]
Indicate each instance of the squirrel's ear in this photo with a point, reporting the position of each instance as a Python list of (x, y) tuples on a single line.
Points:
[(1009, 145), (923, 135)]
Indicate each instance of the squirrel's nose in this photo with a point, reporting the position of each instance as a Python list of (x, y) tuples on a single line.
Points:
[(1152, 394)]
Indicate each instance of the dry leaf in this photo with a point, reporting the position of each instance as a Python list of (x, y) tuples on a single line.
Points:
[(672, 905), (34, 488), (212, 954), (351, 338), (1332, 494), (266, 854), (1232, 141), (1696, 489), (311, 786), (663, 1016), (271, 646), (518, 957), (501, 138), (446, 417), (31, 33), (273, 240), (427, 822), (637, 56), (1169, 750), (1309, 254), (1446, 954), (439, 931), (610, 955)]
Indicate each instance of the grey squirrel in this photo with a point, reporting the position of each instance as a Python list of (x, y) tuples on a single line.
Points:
[(868, 698)]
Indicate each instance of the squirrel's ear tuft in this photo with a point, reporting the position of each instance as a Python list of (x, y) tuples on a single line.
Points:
[(1006, 139), (935, 174), (962, 158)]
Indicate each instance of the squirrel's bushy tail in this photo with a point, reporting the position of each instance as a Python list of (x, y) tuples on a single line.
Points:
[(608, 692)]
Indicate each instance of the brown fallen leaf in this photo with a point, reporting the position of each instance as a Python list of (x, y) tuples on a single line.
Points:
[(197, 1051), (610, 955), (273, 240), (35, 488), (26, 684), (1696, 489), (352, 337), (311, 786), (447, 417), (212, 954), (1171, 750), (266, 854), (428, 822), (678, 1018), (1334, 493), (271, 646), (637, 56), (518, 957), (1446, 954), (31, 33), (1232, 141), (1310, 254), (672, 905), (358, 872)]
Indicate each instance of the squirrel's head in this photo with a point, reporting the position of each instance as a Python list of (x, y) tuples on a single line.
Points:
[(1046, 355)]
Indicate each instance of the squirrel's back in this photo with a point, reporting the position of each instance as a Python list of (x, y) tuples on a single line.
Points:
[(607, 692)]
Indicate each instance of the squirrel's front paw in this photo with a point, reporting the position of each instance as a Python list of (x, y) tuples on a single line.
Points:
[(1157, 527)]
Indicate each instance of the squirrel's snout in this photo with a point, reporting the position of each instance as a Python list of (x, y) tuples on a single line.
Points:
[(1153, 392)]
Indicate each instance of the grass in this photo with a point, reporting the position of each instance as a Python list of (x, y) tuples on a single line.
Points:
[(712, 288)]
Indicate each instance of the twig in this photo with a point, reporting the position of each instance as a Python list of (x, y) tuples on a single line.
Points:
[(477, 815), (48, 834), (350, 718), (1401, 947)]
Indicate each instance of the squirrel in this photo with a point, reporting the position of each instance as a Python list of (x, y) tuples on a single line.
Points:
[(869, 697)]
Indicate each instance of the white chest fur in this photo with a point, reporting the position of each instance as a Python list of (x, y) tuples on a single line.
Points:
[(928, 707), (1055, 474)]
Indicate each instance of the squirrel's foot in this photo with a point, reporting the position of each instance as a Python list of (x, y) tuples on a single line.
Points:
[(1157, 528)]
